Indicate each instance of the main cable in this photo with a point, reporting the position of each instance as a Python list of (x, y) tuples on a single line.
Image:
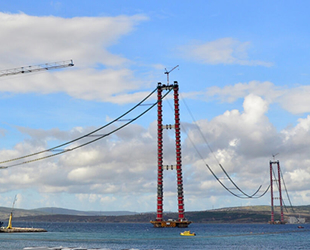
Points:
[(287, 192), (84, 144), (247, 196), (84, 136), (214, 175)]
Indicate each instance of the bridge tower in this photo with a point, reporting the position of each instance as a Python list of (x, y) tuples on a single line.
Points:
[(276, 178), (181, 221)]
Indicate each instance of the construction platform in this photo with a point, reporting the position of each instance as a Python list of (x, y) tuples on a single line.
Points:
[(277, 222), (21, 230), (171, 223)]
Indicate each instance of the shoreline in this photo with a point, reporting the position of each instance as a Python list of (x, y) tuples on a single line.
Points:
[(22, 230)]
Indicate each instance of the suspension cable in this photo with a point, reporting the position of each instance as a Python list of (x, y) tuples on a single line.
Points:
[(86, 135), (94, 140), (239, 189), (288, 197), (250, 196), (89, 142), (215, 176)]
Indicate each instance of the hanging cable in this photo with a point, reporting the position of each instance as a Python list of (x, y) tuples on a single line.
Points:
[(250, 196), (89, 142), (197, 151), (277, 183), (235, 185), (84, 136), (287, 192), (215, 176)]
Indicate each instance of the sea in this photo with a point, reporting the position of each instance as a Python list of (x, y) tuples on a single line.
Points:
[(143, 236)]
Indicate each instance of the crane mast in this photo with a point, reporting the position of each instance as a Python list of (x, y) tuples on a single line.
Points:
[(168, 72), (36, 68)]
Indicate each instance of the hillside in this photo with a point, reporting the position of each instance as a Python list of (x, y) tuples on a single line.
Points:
[(56, 210), (5, 213), (245, 214)]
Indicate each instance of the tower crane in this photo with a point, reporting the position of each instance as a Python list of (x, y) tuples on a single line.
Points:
[(36, 68), (168, 72), (11, 215)]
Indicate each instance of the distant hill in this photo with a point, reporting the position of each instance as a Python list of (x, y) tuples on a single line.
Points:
[(196, 217), (56, 210), (244, 214), (5, 212)]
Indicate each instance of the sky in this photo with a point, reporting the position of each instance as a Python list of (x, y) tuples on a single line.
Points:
[(242, 70)]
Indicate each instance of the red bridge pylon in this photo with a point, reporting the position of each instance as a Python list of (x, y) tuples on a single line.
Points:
[(181, 221), (276, 178)]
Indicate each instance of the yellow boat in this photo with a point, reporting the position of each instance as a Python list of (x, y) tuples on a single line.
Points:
[(187, 233)]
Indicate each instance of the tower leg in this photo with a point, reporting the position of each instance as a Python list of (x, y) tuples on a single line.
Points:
[(271, 192), (178, 153), (280, 193), (159, 156)]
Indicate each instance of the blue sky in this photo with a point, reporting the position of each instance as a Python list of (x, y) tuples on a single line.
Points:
[(243, 72)]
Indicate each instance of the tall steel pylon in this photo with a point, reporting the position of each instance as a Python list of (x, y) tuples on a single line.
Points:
[(276, 179), (181, 221)]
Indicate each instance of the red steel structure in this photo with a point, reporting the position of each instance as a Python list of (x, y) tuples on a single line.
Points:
[(160, 222), (277, 180)]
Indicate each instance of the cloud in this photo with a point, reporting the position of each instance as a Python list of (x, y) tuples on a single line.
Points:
[(32, 39), (117, 168), (292, 99), (231, 93), (97, 75), (296, 100), (120, 171), (222, 51)]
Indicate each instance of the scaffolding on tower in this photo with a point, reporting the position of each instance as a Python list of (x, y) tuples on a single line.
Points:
[(181, 221)]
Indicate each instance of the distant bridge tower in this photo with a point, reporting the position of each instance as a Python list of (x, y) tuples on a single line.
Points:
[(181, 221), (276, 179)]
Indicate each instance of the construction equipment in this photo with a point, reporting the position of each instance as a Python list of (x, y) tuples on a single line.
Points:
[(36, 68), (11, 215), (168, 72)]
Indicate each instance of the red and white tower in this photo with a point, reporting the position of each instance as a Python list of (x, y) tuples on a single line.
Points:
[(181, 221), (276, 178)]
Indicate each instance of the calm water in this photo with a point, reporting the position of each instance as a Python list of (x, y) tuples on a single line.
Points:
[(144, 236)]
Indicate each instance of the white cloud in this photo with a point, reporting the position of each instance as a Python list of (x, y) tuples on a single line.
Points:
[(31, 39), (296, 100), (231, 93), (121, 170), (222, 51), (117, 169), (97, 75), (291, 99)]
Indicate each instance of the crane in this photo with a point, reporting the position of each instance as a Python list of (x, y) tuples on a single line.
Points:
[(35, 68), (168, 72), (11, 215)]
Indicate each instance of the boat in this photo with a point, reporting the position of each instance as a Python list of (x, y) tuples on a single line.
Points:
[(187, 233), (300, 227)]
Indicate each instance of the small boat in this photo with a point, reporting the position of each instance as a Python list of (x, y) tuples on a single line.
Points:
[(300, 227), (187, 233)]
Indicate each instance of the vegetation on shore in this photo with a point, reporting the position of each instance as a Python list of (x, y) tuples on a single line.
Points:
[(250, 214)]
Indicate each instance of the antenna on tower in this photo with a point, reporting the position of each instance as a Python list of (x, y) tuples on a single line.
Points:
[(168, 72)]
